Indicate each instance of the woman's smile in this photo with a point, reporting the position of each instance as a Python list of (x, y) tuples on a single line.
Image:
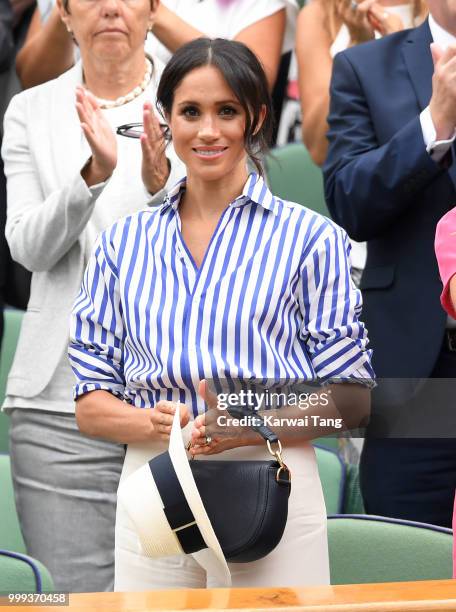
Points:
[(210, 153)]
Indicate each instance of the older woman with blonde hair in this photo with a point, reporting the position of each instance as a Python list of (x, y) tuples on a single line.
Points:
[(75, 161), (267, 27)]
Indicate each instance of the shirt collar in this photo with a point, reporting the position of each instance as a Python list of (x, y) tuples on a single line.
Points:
[(439, 35), (173, 196), (255, 190)]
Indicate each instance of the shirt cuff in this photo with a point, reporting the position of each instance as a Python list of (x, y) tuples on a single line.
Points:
[(96, 189), (157, 198), (437, 149)]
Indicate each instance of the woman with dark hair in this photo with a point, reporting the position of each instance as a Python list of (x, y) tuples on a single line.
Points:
[(69, 176), (224, 280)]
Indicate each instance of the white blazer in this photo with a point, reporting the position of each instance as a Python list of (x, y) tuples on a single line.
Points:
[(49, 205)]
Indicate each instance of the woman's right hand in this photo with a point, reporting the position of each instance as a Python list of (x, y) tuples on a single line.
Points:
[(356, 19), (162, 415), (100, 137)]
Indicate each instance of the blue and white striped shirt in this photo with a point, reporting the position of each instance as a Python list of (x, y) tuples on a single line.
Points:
[(272, 300)]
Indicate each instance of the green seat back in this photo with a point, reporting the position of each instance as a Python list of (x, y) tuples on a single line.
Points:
[(22, 574), (10, 532), (331, 442), (13, 320), (353, 500), (293, 176), (365, 549), (332, 475)]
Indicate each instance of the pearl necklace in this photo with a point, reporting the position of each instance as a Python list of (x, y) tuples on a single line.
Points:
[(134, 93)]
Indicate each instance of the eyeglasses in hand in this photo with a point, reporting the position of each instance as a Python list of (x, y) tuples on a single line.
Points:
[(134, 130)]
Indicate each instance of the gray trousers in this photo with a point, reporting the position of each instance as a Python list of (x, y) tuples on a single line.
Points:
[(65, 486)]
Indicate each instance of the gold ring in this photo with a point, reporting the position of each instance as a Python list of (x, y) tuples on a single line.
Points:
[(208, 440)]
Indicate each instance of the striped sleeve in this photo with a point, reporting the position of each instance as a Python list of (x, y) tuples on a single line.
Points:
[(336, 338), (96, 331)]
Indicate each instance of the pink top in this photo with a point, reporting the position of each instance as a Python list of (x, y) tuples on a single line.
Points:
[(445, 249), (454, 546)]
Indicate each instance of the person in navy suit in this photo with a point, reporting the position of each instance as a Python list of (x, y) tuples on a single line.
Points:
[(389, 177)]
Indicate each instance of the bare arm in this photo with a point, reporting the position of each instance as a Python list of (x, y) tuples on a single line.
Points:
[(264, 38), (313, 43), (47, 52), (102, 415)]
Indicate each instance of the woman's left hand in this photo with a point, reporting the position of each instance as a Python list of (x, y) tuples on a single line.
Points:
[(155, 164), (208, 422), (383, 21)]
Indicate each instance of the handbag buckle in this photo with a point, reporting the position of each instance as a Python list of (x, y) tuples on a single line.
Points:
[(282, 465)]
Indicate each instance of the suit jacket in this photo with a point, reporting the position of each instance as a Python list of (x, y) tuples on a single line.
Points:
[(382, 186), (445, 250), (49, 206)]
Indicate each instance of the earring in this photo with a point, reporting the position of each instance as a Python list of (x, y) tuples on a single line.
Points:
[(70, 32), (148, 31)]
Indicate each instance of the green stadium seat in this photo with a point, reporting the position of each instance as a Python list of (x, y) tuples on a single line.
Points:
[(13, 321), (10, 531), (331, 442), (353, 500), (367, 549), (292, 175), (22, 574), (332, 471)]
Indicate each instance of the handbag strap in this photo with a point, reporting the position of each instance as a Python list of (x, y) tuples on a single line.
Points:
[(283, 475), (256, 423)]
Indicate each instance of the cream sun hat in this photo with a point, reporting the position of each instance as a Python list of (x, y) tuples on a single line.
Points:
[(165, 507)]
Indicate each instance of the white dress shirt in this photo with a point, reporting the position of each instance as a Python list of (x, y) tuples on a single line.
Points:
[(436, 148)]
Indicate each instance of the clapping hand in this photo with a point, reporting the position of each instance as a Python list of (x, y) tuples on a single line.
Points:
[(355, 16), (366, 17), (383, 21), (155, 165), (443, 100), (100, 137)]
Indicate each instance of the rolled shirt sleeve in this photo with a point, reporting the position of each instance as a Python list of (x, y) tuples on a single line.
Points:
[(336, 339), (96, 330)]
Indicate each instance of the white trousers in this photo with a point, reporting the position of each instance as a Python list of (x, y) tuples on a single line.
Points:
[(301, 557)]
